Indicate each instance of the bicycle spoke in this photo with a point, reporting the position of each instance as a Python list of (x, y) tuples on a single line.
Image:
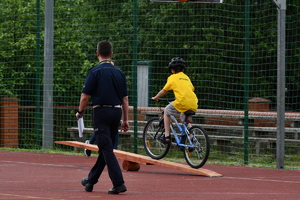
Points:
[(153, 147), (197, 155)]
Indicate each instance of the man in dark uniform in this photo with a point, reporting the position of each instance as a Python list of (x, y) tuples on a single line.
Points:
[(106, 84)]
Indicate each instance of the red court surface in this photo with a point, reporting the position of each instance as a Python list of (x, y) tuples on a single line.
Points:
[(41, 176)]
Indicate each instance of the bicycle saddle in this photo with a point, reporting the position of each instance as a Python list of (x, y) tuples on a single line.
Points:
[(189, 113)]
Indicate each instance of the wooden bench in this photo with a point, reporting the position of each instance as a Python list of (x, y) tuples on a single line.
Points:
[(125, 139), (233, 132), (230, 114), (240, 130), (258, 141)]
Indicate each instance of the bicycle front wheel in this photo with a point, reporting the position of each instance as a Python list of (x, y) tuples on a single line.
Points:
[(153, 147), (197, 156)]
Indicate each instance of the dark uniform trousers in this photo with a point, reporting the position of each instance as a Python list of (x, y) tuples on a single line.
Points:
[(106, 121)]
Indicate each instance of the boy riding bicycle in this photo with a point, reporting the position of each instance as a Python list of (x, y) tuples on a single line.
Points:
[(185, 98)]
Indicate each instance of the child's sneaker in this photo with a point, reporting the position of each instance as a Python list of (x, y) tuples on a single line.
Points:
[(165, 140)]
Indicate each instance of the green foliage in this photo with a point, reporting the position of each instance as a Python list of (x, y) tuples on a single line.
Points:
[(209, 37), (17, 43)]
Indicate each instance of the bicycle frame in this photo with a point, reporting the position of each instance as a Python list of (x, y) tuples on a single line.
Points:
[(192, 141), (183, 132)]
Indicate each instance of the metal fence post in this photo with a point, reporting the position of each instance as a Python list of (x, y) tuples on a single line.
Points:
[(38, 75), (246, 82), (281, 84), (48, 77), (134, 71)]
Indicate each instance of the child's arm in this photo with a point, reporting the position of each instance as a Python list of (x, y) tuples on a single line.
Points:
[(159, 94)]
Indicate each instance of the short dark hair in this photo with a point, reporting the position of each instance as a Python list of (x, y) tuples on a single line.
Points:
[(177, 69), (104, 48)]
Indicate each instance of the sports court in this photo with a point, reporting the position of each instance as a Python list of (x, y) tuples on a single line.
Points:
[(26, 175)]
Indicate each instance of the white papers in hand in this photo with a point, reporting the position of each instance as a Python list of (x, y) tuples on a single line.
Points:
[(80, 126)]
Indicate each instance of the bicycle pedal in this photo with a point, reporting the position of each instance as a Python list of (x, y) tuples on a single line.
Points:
[(181, 149), (174, 143)]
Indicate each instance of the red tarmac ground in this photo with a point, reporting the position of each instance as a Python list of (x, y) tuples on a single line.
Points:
[(42, 176)]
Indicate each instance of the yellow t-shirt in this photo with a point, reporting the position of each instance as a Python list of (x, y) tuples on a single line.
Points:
[(183, 90)]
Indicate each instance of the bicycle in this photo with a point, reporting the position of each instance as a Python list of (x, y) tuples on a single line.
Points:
[(193, 141)]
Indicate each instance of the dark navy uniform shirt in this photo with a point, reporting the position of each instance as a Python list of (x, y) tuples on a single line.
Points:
[(106, 84)]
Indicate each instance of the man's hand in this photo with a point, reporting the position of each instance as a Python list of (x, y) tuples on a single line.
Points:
[(78, 115), (84, 99), (124, 126)]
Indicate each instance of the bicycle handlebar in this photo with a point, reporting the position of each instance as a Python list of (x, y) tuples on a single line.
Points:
[(167, 100)]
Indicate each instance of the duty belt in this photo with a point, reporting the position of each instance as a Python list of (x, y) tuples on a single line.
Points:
[(110, 106)]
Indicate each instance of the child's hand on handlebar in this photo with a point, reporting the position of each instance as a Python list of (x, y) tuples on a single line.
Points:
[(154, 99)]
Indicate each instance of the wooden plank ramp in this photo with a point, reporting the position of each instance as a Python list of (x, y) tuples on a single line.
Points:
[(140, 159)]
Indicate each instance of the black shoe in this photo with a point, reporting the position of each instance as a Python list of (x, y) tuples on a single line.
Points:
[(86, 151), (88, 187), (117, 190)]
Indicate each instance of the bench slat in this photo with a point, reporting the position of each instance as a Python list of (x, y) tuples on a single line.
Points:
[(252, 115)]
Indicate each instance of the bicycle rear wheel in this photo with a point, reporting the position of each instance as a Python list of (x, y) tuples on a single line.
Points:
[(153, 147), (197, 156)]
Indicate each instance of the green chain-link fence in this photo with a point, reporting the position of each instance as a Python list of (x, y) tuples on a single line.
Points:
[(211, 38)]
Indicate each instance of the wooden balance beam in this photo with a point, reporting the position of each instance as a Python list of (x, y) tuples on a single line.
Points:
[(132, 161)]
